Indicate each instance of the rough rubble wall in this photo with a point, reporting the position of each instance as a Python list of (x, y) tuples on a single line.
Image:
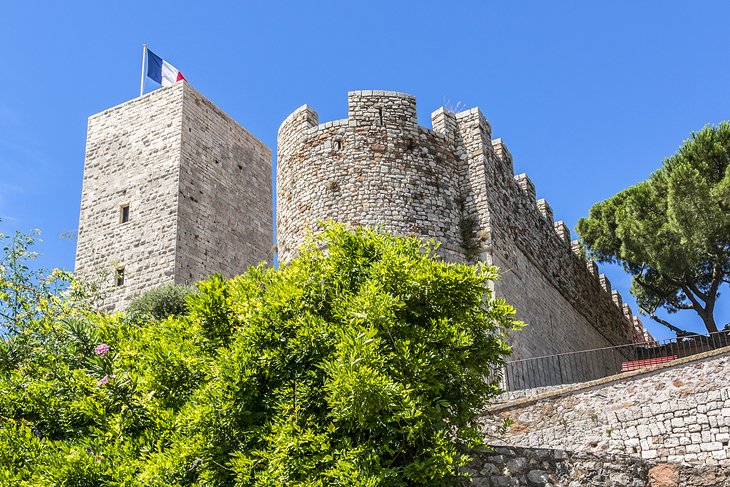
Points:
[(198, 188), (542, 467), (132, 157), (455, 184), (377, 167), (225, 215), (678, 413)]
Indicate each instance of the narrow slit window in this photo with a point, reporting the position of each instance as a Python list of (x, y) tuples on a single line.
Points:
[(124, 213), (380, 116), (338, 145), (120, 276)]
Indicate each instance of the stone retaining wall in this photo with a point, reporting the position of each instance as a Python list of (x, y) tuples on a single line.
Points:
[(506, 467), (539, 467), (677, 412)]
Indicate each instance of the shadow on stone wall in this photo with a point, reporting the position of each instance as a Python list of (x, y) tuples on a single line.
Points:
[(507, 467)]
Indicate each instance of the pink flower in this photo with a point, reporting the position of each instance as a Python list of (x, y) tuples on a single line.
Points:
[(103, 381), (101, 349)]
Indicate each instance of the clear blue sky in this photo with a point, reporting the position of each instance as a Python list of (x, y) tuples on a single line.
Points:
[(590, 97)]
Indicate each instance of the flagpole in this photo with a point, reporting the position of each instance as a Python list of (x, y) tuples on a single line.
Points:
[(141, 79)]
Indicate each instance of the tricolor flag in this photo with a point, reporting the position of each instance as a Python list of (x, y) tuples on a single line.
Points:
[(161, 71)]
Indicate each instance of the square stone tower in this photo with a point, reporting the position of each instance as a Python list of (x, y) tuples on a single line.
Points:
[(173, 191)]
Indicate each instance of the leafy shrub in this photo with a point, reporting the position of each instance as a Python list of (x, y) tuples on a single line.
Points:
[(364, 364), (161, 302)]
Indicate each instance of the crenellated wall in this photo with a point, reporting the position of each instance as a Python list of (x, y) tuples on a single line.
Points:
[(544, 274), (196, 190), (377, 167), (457, 185)]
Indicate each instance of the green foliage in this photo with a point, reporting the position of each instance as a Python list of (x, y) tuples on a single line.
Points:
[(672, 232), (26, 294), (161, 302), (467, 224), (364, 362)]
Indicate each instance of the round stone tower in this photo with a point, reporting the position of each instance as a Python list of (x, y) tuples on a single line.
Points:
[(376, 167)]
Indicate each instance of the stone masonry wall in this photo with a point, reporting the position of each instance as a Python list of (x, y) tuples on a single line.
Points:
[(678, 412), (455, 184), (555, 326), (538, 259), (198, 188), (555, 291), (539, 467), (542, 467), (377, 167), (132, 158), (225, 214)]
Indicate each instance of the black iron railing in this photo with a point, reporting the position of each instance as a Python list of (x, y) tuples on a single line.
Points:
[(585, 365)]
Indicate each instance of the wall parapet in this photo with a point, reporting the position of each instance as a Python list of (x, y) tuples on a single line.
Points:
[(518, 220), (526, 185)]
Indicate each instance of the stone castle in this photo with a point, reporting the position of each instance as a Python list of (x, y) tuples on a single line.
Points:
[(175, 190)]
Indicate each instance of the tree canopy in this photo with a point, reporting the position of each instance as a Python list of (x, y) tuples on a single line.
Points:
[(672, 231), (363, 362)]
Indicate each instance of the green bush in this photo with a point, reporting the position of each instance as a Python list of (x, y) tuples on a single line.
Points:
[(363, 364), (161, 302)]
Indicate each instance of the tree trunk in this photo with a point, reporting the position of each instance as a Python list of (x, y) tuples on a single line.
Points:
[(709, 322), (709, 312)]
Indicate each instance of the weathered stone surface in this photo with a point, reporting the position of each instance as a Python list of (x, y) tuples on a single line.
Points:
[(664, 475), (537, 477), (562, 468), (517, 465), (456, 185), (389, 171), (673, 414), (198, 186)]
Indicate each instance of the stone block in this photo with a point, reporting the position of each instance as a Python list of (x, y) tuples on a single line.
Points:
[(545, 209)]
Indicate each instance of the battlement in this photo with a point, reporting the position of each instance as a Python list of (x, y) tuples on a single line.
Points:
[(378, 166), (303, 118), (375, 108), (451, 182), (526, 185)]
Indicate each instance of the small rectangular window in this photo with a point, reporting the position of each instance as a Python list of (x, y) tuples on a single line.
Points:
[(120, 276), (124, 213)]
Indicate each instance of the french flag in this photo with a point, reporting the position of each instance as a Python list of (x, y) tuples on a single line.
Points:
[(161, 71)]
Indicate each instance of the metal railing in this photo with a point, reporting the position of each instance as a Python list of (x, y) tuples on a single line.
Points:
[(585, 365)]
